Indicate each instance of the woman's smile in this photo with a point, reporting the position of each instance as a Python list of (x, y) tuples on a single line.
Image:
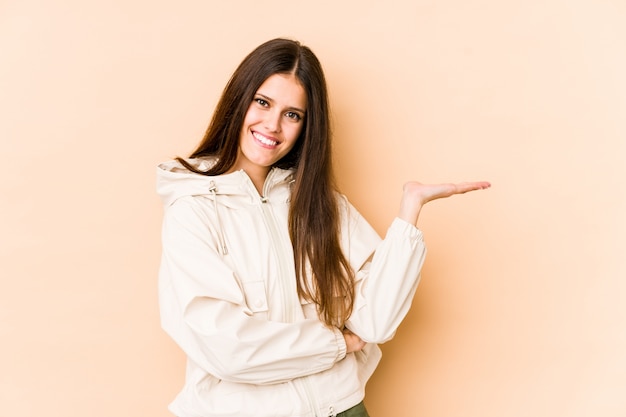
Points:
[(264, 140)]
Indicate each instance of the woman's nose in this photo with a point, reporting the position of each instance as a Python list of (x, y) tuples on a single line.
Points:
[(272, 121)]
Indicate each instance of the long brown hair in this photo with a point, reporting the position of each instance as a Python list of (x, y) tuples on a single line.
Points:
[(314, 218)]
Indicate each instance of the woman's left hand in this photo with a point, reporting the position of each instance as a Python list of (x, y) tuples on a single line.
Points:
[(416, 194)]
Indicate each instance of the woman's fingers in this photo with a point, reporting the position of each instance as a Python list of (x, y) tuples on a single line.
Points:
[(424, 193), (415, 195)]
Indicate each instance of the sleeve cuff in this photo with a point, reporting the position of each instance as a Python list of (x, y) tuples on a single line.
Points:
[(402, 227), (341, 344)]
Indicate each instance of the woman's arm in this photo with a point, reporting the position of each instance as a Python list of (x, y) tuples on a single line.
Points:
[(387, 281), (203, 309)]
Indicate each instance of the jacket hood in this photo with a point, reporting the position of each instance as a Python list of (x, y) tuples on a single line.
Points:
[(175, 181)]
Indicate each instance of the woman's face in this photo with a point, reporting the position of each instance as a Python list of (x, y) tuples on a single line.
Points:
[(272, 124)]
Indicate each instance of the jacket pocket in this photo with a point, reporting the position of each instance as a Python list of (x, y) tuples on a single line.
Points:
[(256, 297)]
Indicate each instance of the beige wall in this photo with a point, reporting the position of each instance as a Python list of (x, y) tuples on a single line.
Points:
[(521, 310)]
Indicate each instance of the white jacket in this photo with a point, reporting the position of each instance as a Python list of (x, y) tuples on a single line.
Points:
[(227, 293)]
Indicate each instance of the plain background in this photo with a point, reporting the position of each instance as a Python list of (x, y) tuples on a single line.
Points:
[(521, 309)]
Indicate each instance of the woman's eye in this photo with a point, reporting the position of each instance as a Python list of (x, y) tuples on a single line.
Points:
[(261, 102), (293, 116)]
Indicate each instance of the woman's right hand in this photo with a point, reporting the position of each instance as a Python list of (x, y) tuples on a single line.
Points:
[(353, 342)]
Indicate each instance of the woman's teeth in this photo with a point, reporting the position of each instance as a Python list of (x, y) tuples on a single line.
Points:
[(264, 140)]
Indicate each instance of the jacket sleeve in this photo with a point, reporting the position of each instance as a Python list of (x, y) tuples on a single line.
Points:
[(203, 309), (387, 274)]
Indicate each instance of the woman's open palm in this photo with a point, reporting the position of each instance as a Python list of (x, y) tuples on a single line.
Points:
[(429, 192), (415, 195)]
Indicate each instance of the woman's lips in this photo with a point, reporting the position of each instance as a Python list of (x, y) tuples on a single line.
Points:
[(264, 139)]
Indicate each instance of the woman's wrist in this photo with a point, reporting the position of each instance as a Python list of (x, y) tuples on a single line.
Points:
[(410, 205)]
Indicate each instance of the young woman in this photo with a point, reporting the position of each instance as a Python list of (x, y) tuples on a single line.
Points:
[(274, 286)]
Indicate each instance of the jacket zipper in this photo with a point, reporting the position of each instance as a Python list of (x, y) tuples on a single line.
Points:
[(287, 286), (308, 390)]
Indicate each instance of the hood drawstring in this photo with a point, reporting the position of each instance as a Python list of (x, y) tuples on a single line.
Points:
[(213, 191)]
